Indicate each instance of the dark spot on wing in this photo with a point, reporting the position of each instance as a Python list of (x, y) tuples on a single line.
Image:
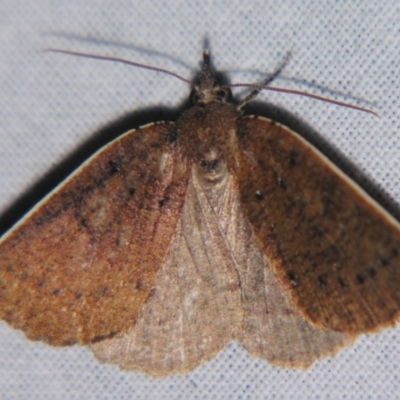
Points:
[(281, 183), (293, 158), (259, 195), (360, 279), (292, 277), (322, 280), (113, 167), (342, 283), (82, 221)]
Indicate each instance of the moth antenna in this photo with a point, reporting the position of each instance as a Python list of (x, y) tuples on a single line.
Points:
[(321, 98), (117, 59), (264, 86), (265, 82), (280, 68), (257, 87)]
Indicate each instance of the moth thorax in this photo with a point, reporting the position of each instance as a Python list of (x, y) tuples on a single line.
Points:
[(207, 135)]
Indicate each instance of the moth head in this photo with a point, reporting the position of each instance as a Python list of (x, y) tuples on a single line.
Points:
[(208, 90)]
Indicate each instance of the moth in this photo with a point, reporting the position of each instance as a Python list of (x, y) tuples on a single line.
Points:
[(176, 238)]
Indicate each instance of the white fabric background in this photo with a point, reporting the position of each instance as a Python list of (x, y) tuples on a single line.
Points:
[(51, 103)]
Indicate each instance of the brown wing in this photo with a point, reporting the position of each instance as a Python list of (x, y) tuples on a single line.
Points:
[(81, 264), (196, 305), (334, 249), (214, 287)]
